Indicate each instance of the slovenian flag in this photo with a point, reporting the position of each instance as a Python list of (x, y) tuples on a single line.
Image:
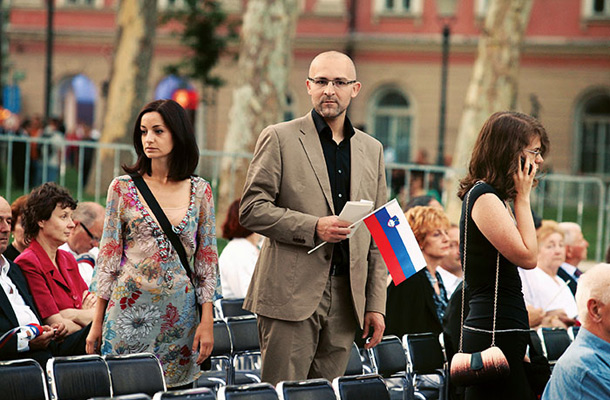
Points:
[(395, 240)]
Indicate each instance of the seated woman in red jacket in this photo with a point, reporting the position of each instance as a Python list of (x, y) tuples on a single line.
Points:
[(59, 292)]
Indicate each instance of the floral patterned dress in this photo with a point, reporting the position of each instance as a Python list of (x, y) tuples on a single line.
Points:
[(151, 301)]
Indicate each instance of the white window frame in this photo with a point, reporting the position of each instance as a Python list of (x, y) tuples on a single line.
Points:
[(480, 8), (96, 4), (164, 5), (415, 8), (587, 10)]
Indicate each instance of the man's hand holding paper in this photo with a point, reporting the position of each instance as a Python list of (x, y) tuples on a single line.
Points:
[(331, 229)]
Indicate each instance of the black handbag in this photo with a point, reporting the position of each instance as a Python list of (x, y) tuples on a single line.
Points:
[(490, 364)]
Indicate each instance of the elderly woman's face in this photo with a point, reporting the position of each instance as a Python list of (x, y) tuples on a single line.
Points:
[(436, 243), (57, 228), (551, 250)]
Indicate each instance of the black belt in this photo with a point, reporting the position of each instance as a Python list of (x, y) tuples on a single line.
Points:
[(338, 270)]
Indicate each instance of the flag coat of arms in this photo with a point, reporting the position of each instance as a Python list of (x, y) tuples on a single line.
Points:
[(396, 241)]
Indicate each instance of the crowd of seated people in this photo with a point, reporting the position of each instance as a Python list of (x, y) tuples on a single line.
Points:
[(44, 284)]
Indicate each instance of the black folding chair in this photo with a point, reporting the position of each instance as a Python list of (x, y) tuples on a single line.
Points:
[(134, 396), (255, 391), (573, 331), (188, 394), (245, 345), (427, 363), (232, 308), (311, 389), (22, 380), (354, 365), (389, 361), (555, 341), (135, 373), (78, 377), (361, 387)]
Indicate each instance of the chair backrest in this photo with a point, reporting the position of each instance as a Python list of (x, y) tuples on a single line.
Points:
[(232, 308), (354, 365), (188, 394), (22, 380), (312, 389), (388, 357), (135, 373), (244, 334), (424, 352), (535, 343), (256, 391), (360, 387), (134, 396), (573, 331), (222, 339), (78, 377), (556, 341)]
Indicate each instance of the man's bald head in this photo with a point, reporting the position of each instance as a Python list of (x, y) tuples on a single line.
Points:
[(336, 58), (593, 300)]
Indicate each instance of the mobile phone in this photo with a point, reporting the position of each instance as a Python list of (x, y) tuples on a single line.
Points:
[(522, 165)]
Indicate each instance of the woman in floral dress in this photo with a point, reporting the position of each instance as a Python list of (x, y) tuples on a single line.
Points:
[(146, 302)]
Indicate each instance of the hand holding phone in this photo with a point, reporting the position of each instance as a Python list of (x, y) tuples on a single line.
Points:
[(523, 165)]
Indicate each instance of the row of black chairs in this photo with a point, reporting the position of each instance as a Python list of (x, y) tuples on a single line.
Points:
[(81, 377)]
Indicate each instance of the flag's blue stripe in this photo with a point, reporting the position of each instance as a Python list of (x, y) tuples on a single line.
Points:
[(396, 242)]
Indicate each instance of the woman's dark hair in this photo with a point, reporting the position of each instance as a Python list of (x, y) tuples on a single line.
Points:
[(17, 208), (184, 157), (40, 205), (495, 157), (232, 228)]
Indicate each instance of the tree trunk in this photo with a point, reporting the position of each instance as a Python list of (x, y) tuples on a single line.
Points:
[(128, 87), (494, 82), (264, 65)]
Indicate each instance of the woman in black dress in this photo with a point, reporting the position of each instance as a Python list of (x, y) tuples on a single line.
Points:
[(504, 162)]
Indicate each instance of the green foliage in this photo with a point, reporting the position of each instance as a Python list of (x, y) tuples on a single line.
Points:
[(206, 32)]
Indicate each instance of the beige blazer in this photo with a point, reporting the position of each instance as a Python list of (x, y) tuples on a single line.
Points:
[(287, 189)]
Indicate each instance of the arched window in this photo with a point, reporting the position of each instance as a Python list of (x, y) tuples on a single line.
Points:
[(392, 121), (74, 99), (594, 127)]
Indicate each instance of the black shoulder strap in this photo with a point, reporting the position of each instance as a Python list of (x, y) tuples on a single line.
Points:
[(163, 221)]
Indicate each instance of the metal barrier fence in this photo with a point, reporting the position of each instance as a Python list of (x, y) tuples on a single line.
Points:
[(73, 163), (581, 199), (575, 198)]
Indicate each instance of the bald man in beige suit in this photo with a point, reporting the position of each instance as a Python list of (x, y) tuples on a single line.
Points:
[(303, 171)]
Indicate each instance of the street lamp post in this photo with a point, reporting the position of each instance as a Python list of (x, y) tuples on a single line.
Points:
[(445, 11), (49, 60)]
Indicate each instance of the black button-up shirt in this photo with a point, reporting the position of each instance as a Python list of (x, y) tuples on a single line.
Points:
[(338, 161)]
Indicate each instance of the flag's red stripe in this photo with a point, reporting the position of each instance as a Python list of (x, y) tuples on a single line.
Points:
[(386, 249)]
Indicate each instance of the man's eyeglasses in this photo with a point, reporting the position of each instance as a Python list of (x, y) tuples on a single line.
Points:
[(338, 83), (94, 238), (536, 153)]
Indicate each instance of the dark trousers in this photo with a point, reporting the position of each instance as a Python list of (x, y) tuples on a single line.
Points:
[(318, 347)]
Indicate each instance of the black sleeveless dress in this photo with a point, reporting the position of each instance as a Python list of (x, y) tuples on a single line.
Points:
[(511, 316)]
